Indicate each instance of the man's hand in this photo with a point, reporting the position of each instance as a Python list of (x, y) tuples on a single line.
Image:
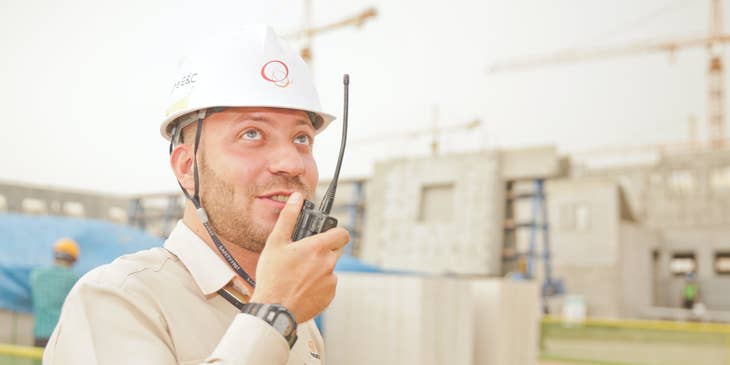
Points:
[(299, 275)]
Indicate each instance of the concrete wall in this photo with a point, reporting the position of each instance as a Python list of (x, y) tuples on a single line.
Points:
[(637, 286), (704, 244), (465, 238), (530, 163), (600, 286), (596, 253), (431, 320), (682, 197), (388, 319), (16, 328), (679, 189), (507, 321), (584, 222), (700, 203), (635, 182)]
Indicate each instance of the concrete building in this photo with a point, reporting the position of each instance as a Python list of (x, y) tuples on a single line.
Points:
[(598, 248), (446, 214), (683, 195), (438, 215), (29, 199), (622, 237)]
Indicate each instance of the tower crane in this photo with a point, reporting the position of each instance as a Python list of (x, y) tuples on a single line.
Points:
[(310, 32), (435, 132), (713, 42)]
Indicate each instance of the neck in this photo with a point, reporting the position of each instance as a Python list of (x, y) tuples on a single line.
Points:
[(245, 258)]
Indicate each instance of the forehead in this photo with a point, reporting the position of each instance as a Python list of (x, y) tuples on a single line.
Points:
[(224, 120), (276, 116)]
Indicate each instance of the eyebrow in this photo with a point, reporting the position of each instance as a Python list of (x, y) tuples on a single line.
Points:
[(262, 118)]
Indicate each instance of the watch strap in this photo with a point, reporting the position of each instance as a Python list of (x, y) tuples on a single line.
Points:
[(277, 316)]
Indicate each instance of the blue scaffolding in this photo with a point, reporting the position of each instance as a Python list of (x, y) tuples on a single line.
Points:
[(539, 235)]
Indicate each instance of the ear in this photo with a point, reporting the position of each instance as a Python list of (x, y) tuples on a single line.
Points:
[(181, 161)]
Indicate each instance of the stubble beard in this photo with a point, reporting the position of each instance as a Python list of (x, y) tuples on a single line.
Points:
[(235, 223)]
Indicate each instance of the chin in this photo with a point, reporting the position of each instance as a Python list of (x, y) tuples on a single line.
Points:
[(267, 226)]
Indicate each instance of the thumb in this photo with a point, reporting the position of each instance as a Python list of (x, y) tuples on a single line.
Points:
[(284, 226)]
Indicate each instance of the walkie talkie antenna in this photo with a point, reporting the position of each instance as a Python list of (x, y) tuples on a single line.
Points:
[(329, 196)]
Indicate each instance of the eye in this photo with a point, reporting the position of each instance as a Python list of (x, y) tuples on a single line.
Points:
[(251, 134), (303, 139)]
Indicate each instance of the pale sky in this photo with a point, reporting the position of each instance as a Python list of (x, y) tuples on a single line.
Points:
[(83, 82)]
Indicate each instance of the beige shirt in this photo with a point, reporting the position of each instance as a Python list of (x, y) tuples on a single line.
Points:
[(161, 306)]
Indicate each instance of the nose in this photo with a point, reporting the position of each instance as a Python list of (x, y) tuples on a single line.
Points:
[(286, 160)]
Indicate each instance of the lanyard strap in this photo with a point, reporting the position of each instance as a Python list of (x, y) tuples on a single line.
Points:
[(231, 299), (232, 296), (223, 250)]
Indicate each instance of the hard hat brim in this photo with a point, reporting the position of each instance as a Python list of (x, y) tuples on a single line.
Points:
[(172, 120)]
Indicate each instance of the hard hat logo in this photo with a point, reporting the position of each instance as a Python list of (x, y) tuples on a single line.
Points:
[(276, 72), (185, 80)]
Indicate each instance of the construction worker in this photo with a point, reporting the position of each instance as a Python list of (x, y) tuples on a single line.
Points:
[(689, 291), (49, 286), (229, 286)]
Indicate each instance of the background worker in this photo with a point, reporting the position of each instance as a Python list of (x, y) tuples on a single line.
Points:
[(229, 285), (50, 286), (690, 291)]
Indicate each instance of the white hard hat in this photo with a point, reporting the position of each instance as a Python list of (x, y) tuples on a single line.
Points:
[(247, 68)]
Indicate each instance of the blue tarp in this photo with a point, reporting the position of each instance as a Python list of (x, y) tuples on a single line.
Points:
[(349, 263), (27, 242)]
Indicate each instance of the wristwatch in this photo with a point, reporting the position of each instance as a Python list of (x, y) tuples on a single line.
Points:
[(277, 316)]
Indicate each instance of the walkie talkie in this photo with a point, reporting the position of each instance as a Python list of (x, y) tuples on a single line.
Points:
[(312, 221)]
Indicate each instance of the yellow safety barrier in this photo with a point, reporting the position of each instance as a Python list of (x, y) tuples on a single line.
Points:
[(698, 327), (20, 355)]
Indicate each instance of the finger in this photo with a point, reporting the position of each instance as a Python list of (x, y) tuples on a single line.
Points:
[(335, 258), (339, 252), (335, 238), (287, 219)]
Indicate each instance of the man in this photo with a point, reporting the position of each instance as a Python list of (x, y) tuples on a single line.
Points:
[(689, 291), (49, 286), (229, 286)]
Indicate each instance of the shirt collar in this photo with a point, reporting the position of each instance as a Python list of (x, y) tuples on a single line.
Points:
[(208, 270)]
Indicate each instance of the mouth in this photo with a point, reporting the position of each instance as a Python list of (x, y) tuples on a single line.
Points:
[(277, 197)]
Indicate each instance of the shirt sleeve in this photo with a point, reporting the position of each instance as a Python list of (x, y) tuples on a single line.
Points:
[(103, 324), (250, 340)]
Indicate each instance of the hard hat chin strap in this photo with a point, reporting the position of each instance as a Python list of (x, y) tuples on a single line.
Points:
[(195, 199)]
